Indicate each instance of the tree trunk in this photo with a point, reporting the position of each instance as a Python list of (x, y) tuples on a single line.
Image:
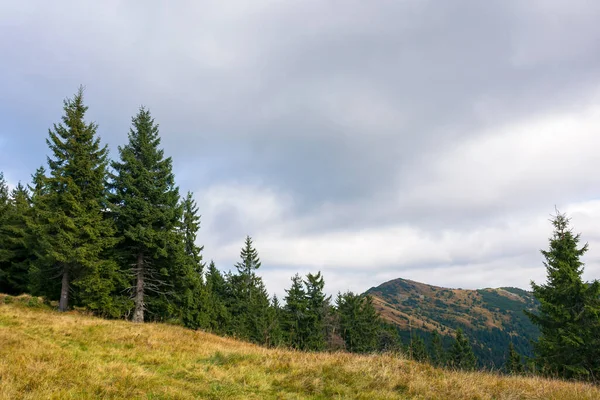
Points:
[(138, 314), (64, 292)]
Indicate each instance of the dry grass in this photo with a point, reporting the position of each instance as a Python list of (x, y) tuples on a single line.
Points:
[(47, 355)]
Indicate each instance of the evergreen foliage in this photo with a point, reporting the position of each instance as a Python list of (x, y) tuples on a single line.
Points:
[(317, 306), (569, 312), (359, 322), (438, 354), (190, 228), (189, 291), (218, 315), (417, 349), (14, 238), (295, 314), (145, 203), (513, 361), (275, 335), (249, 302), (71, 231), (461, 354), (5, 207)]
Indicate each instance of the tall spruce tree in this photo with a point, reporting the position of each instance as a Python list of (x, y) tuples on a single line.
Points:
[(249, 301), (317, 307), (14, 250), (569, 311), (4, 198), (274, 330), (71, 231), (147, 211), (4, 236), (219, 317), (359, 322), (190, 227), (461, 354), (295, 314), (39, 266), (189, 290)]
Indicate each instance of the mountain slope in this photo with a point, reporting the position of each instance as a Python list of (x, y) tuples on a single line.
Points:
[(47, 355), (492, 318)]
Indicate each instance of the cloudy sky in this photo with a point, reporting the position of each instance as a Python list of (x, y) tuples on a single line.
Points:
[(371, 140)]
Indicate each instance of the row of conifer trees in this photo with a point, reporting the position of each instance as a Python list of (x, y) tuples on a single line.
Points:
[(118, 239)]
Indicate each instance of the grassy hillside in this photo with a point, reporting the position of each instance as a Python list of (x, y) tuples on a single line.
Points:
[(492, 318), (47, 355)]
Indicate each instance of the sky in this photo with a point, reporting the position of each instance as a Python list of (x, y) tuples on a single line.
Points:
[(368, 140)]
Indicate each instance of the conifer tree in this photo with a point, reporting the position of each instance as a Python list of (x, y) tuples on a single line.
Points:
[(4, 236), (188, 287), (513, 363), (388, 340), (359, 322), (70, 228), (40, 265), (14, 252), (295, 311), (417, 349), (274, 330), (4, 198), (461, 354), (190, 227), (438, 354), (249, 301), (219, 318), (317, 306), (147, 212), (569, 311)]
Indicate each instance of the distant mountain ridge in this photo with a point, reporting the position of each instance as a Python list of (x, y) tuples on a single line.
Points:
[(492, 318)]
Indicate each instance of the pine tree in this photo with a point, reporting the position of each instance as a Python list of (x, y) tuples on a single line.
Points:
[(417, 349), (147, 212), (295, 314), (438, 354), (249, 301), (461, 354), (274, 330), (569, 312), (14, 252), (70, 228), (388, 339), (5, 286), (513, 363), (218, 315), (189, 290), (317, 306), (359, 322), (190, 227), (40, 265), (4, 198)]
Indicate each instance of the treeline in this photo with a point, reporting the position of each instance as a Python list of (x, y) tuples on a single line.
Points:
[(118, 239)]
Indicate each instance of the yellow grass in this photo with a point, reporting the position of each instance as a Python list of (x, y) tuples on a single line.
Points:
[(47, 355)]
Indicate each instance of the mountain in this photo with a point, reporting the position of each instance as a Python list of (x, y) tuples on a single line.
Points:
[(49, 355), (491, 318)]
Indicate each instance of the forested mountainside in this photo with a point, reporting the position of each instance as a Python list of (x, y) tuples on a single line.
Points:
[(491, 318)]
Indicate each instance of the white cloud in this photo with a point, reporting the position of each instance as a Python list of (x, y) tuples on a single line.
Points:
[(538, 162)]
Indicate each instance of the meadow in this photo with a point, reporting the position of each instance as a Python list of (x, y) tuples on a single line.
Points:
[(49, 355)]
